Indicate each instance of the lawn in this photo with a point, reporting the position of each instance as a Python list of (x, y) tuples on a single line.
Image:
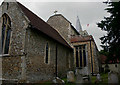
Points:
[(104, 78)]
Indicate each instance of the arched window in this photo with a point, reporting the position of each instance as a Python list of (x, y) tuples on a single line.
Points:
[(47, 54), (6, 32), (77, 57), (80, 48), (84, 55), (46, 60)]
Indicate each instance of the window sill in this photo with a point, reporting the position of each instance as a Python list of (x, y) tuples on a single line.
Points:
[(4, 55)]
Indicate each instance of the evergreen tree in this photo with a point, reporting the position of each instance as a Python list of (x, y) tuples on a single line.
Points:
[(111, 24)]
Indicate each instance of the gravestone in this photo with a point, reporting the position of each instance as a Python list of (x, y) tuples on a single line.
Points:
[(70, 76), (113, 77), (79, 79), (85, 74), (83, 71), (58, 80), (98, 77)]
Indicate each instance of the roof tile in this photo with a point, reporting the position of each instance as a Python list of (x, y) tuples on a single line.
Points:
[(42, 26)]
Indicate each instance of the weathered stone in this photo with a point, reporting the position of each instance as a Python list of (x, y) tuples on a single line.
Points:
[(98, 77), (79, 79), (95, 56), (58, 80), (70, 76), (27, 50), (64, 27), (113, 77), (83, 71)]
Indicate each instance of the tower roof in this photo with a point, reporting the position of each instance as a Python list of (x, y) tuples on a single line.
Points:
[(78, 25)]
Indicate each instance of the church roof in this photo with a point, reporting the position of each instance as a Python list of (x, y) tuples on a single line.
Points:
[(81, 38), (42, 26)]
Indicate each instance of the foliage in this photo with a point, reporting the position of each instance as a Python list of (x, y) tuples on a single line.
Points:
[(111, 25), (104, 52)]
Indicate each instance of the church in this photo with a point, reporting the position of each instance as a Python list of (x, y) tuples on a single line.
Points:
[(86, 55), (32, 50)]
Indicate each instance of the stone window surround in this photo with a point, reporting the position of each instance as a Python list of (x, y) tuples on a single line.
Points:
[(48, 53), (79, 55), (8, 23)]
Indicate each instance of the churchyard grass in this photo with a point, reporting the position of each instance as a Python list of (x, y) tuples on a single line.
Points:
[(67, 83), (104, 78)]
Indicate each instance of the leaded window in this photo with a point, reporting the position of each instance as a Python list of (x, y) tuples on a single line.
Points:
[(80, 55), (6, 33), (47, 53)]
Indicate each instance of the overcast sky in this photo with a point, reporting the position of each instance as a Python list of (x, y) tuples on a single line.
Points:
[(89, 12)]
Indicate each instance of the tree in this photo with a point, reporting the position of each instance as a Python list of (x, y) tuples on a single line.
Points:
[(111, 24)]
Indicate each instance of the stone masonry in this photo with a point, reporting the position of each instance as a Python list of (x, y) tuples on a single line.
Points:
[(63, 26), (26, 58)]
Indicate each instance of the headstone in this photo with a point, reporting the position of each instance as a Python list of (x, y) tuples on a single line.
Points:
[(98, 77), (79, 79), (58, 80), (113, 77), (84, 73), (70, 76)]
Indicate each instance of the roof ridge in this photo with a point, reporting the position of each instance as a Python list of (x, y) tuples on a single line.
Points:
[(43, 26)]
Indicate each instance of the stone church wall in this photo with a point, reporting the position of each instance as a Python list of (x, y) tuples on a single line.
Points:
[(95, 55), (60, 24), (27, 51), (37, 69), (18, 25), (11, 63), (11, 67)]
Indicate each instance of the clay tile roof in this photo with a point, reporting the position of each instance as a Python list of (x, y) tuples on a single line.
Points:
[(42, 26), (81, 38)]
